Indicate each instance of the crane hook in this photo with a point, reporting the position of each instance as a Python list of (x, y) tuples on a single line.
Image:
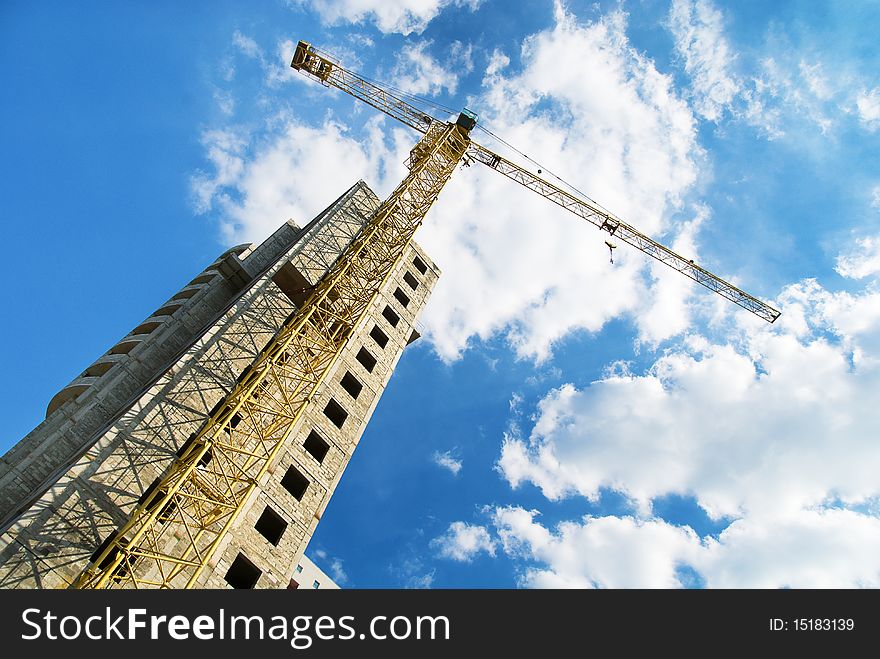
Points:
[(611, 249)]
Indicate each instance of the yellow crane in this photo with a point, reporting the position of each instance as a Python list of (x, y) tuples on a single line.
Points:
[(321, 67), (176, 528)]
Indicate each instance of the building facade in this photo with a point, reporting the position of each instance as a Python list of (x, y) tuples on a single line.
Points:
[(110, 434), (309, 576)]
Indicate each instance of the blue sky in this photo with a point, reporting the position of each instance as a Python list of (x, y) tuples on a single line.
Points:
[(565, 421)]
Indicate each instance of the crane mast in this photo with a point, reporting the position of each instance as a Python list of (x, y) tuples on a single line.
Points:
[(174, 531)]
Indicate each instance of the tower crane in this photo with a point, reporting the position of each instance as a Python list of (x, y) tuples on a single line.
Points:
[(322, 68), (173, 532)]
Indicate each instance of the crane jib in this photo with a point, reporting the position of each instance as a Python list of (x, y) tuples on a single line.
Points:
[(620, 229), (307, 60)]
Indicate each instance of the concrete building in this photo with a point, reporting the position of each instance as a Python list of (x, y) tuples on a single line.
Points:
[(310, 576), (111, 433)]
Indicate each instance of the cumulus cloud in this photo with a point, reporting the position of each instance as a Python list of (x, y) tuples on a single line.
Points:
[(463, 542), (447, 461), (863, 261), (524, 268), (498, 61), (403, 16), (830, 548), (257, 184), (774, 429), (811, 549), (740, 427), (668, 311), (602, 552)]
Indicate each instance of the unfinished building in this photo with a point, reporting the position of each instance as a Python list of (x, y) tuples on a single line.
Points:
[(110, 435)]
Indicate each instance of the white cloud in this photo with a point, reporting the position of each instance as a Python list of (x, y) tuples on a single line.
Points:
[(256, 187), (741, 428), (868, 106), (247, 45), (863, 261), (225, 101), (762, 106), (774, 429), (462, 56), (600, 552), (816, 80), (811, 549), (463, 542), (447, 461), (516, 400), (226, 68), (337, 572), (698, 30), (668, 312), (498, 61), (522, 267), (403, 16), (785, 89), (224, 150), (417, 72), (421, 581), (412, 572), (333, 565), (773, 87), (276, 68)]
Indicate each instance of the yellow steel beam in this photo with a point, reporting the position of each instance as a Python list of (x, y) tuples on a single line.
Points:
[(616, 227), (322, 67), (172, 534)]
